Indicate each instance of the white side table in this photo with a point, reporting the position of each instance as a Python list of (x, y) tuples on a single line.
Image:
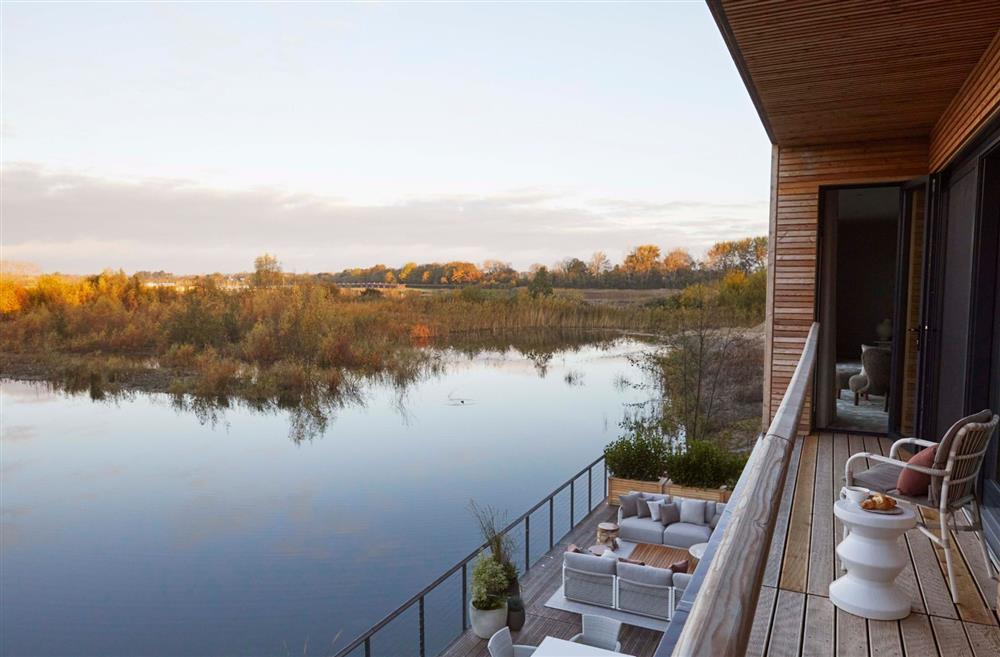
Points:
[(872, 556)]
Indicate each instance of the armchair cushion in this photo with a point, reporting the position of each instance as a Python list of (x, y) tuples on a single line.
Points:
[(912, 482)]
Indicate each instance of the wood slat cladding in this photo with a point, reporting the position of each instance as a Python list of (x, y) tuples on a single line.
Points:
[(836, 71), (972, 107), (799, 174)]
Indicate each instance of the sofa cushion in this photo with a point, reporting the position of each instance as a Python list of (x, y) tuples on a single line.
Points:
[(629, 504), (680, 566), (714, 521), (654, 509), (640, 530), (693, 512), (646, 574), (642, 508), (685, 534), (670, 513), (591, 564)]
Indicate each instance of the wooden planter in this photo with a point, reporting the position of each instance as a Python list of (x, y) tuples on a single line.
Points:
[(711, 494), (618, 486)]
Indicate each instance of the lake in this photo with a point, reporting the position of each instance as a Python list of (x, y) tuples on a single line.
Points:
[(135, 525)]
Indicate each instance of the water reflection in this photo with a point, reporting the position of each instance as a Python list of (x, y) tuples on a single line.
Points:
[(163, 524)]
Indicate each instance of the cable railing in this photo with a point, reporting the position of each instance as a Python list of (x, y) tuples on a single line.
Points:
[(520, 529)]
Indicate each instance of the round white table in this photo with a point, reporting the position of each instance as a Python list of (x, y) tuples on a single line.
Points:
[(872, 556), (698, 550)]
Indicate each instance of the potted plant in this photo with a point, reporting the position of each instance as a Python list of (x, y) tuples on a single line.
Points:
[(635, 462), (491, 522), (488, 607), (515, 613)]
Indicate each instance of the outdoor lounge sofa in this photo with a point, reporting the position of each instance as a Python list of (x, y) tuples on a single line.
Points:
[(696, 522)]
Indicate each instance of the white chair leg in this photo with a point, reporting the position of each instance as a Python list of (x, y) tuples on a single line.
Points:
[(982, 540), (946, 544)]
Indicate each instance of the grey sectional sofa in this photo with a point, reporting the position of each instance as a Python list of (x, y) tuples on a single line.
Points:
[(695, 525)]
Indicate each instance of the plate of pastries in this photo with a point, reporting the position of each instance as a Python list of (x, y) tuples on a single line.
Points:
[(879, 503)]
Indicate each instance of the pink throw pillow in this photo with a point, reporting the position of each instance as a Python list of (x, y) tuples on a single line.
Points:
[(913, 483)]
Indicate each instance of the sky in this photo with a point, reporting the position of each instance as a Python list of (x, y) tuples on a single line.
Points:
[(191, 137)]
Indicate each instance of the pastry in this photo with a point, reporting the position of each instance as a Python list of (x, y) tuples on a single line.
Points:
[(879, 502)]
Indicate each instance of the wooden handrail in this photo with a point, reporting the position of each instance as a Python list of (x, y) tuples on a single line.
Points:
[(721, 617)]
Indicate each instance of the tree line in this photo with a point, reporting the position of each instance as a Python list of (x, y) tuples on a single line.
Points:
[(645, 266)]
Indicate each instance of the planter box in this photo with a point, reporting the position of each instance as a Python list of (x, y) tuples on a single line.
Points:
[(618, 486), (711, 494)]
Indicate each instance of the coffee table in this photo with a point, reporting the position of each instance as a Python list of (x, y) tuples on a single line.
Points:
[(872, 556)]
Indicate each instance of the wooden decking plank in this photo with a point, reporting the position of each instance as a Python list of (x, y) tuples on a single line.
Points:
[(933, 586), (984, 640), (951, 637), (971, 606), (757, 643), (818, 638), (786, 630), (794, 568), (884, 639), (852, 635), (918, 639), (822, 543), (777, 549), (972, 551)]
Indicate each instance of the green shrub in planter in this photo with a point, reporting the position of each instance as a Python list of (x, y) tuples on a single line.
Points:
[(704, 465), (489, 584), (639, 456)]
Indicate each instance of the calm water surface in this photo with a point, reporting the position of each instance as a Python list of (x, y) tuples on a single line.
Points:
[(130, 527)]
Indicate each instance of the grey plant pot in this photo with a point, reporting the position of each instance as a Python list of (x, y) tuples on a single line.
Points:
[(487, 623)]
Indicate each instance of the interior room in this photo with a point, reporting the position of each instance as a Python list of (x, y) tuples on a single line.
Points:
[(859, 272)]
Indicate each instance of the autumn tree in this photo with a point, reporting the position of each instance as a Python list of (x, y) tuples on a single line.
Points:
[(747, 255), (677, 260), (598, 264), (266, 271), (643, 260)]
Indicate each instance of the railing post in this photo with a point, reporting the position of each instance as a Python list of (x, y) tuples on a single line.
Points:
[(551, 514), (465, 595), (422, 648), (572, 502), (605, 478), (368, 647), (590, 489), (527, 542)]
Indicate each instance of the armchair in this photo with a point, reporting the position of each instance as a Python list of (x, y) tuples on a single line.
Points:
[(953, 476)]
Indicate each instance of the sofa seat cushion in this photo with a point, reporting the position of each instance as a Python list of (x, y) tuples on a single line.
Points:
[(591, 564), (641, 530), (686, 534), (646, 574)]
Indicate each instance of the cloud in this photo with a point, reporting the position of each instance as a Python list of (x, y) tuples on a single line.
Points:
[(80, 223)]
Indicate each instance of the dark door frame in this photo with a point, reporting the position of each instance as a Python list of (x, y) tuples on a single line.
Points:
[(902, 292), (818, 280)]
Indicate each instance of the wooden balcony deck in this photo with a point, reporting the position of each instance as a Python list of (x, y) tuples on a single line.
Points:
[(539, 584), (794, 615)]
